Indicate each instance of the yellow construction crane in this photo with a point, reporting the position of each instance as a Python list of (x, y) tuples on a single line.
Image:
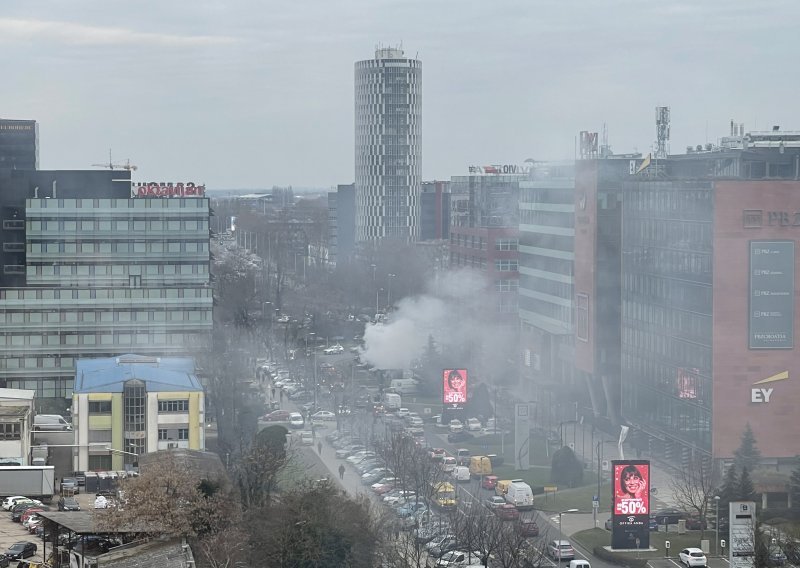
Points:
[(112, 166)]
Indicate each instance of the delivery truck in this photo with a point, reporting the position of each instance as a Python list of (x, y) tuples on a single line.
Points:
[(36, 482)]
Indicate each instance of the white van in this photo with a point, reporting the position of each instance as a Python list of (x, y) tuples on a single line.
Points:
[(404, 386), (519, 494), (52, 422), (460, 474)]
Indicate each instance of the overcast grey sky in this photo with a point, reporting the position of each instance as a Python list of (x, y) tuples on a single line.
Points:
[(253, 93)]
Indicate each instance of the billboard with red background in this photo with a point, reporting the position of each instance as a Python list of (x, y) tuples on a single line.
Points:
[(631, 488), (454, 387)]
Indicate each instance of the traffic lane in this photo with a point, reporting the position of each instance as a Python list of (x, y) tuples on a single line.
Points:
[(548, 523)]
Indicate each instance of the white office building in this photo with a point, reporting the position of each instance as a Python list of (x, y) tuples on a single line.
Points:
[(388, 146)]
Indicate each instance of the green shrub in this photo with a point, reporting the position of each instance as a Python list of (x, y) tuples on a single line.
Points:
[(619, 559)]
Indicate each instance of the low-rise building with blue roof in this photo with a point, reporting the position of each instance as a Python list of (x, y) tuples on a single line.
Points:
[(129, 405)]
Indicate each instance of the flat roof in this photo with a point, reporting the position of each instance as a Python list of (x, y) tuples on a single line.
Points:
[(84, 522), (16, 394)]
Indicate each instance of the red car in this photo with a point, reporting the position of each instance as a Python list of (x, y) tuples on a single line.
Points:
[(28, 513), (437, 454), (489, 482), (507, 512), (277, 416)]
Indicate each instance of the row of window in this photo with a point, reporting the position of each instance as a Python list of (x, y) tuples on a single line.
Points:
[(122, 270), (685, 235), (561, 196), (104, 406), (468, 241), (665, 200), (506, 285), (547, 218), (669, 261), (10, 431), (108, 247), (102, 294), (546, 286), (506, 265), (506, 244), (457, 259), (99, 407), (547, 309), (105, 316), (117, 342), (681, 294), (90, 339), (45, 387), (659, 346), (181, 405), (547, 241), (93, 225), (172, 203), (691, 325), (173, 434)]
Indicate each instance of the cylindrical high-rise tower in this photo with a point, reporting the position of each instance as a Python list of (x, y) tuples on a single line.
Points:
[(388, 148)]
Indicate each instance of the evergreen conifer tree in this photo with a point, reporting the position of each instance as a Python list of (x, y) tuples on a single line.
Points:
[(746, 490), (747, 454), (729, 490)]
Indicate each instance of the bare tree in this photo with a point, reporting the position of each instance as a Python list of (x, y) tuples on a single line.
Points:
[(169, 499), (313, 524), (693, 489), (258, 469)]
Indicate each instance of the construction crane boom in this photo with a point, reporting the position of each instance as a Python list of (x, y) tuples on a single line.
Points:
[(112, 166)]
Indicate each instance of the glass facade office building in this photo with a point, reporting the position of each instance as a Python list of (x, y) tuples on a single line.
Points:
[(103, 277), (667, 250), (19, 144), (388, 146)]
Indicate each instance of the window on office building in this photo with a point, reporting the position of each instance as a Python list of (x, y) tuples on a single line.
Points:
[(183, 433), (99, 407), (173, 405), (10, 431)]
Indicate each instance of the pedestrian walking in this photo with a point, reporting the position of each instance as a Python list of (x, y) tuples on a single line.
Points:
[(341, 471), (319, 447), (273, 393)]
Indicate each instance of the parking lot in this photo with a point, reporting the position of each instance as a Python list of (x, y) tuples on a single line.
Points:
[(11, 532)]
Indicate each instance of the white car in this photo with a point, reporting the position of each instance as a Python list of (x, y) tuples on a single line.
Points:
[(9, 502), (459, 558), (100, 502), (326, 415), (403, 412), (306, 438), (296, 420), (473, 424), (692, 557), (333, 350), (456, 426)]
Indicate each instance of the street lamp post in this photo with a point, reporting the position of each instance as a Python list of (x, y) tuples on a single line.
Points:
[(560, 531), (716, 527), (389, 297), (377, 292)]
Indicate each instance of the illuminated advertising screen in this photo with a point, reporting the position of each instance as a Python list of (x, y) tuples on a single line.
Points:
[(631, 504), (454, 387), (631, 488)]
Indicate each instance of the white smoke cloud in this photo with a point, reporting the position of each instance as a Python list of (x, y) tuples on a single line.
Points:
[(457, 310)]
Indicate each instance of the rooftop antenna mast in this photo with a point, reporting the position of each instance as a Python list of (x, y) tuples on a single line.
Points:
[(662, 132)]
